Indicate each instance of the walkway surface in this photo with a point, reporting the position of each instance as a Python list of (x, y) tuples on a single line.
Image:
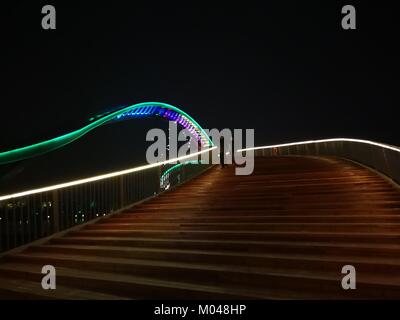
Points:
[(284, 232)]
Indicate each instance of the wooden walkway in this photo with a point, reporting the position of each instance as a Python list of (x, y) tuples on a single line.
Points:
[(282, 233)]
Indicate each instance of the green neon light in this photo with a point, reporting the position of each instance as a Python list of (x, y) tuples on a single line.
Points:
[(172, 169), (58, 142), (177, 166)]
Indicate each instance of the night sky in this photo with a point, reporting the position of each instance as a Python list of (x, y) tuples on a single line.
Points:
[(288, 70)]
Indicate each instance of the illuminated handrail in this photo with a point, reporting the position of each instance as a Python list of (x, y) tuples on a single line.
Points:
[(394, 148), (102, 177), (379, 156)]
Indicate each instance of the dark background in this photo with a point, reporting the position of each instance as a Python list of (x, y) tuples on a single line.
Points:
[(286, 69)]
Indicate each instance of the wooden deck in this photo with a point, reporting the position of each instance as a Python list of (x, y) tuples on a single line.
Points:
[(283, 232)]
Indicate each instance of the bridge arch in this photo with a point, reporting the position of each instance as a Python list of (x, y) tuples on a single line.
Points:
[(140, 110)]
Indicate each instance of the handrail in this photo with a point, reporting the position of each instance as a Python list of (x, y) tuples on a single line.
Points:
[(102, 177), (382, 157), (387, 146)]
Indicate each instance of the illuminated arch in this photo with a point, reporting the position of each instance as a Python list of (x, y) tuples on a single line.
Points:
[(140, 110)]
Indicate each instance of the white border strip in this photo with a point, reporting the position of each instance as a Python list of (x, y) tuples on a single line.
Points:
[(101, 177), (324, 140)]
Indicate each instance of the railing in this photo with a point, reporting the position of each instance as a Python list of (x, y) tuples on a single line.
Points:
[(30, 215), (381, 157)]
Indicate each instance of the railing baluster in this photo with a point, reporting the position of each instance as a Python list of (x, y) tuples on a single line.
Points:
[(14, 222), (56, 211), (1, 227)]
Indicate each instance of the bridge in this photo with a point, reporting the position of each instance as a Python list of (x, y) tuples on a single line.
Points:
[(195, 231)]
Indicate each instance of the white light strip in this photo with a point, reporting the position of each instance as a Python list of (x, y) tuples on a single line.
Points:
[(325, 140), (101, 177)]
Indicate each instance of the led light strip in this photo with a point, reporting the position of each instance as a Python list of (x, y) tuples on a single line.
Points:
[(143, 109), (177, 166), (324, 140), (101, 177)]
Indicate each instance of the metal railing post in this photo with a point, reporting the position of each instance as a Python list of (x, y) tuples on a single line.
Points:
[(159, 173), (121, 191), (56, 211)]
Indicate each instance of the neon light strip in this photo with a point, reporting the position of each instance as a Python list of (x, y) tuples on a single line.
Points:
[(386, 146), (171, 116), (101, 177), (53, 144), (177, 166)]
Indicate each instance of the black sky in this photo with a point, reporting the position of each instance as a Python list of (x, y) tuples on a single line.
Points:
[(286, 69)]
